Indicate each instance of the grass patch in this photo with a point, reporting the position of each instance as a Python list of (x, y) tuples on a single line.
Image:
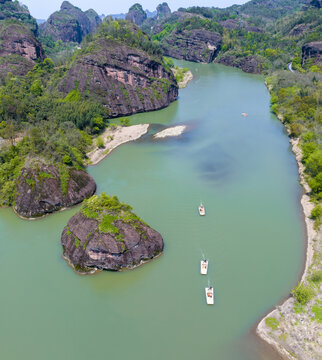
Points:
[(272, 323), (317, 311)]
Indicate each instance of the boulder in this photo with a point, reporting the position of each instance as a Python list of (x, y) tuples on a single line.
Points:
[(106, 235)]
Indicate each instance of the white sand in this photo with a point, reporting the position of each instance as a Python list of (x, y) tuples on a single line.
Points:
[(114, 138), (172, 131)]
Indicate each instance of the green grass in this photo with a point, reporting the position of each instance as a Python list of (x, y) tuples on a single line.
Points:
[(317, 311), (272, 323)]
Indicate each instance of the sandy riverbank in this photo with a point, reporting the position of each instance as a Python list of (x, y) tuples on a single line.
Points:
[(297, 336), (113, 138), (172, 131)]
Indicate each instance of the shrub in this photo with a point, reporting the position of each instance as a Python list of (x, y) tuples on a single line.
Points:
[(100, 142), (316, 277), (303, 294)]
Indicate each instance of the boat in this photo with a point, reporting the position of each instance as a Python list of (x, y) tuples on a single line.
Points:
[(244, 114), (202, 210), (203, 267), (210, 295)]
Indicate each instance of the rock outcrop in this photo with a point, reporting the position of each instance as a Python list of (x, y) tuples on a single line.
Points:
[(106, 235), (136, 14), (13, 10), (19, 48), (70, 23), (249, 64), (40, 191), (163, 11), (312, 50), (124, 79), (195, 45)]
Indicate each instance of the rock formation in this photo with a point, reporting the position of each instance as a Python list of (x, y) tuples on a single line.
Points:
[(40, 191), (124, 79), (70, 23), (106, 235), (195, 45), (249, 64), (19, 48), (13, 10), (163, 11), (136, 14), (312, 50)]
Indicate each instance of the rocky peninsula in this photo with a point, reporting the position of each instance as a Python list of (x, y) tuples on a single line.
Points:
[(45, 189), (106, 235)]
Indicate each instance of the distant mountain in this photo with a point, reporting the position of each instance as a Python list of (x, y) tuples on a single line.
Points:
[(40, 21), (150, 14), (69, 24)]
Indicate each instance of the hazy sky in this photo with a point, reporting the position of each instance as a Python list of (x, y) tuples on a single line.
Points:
[(41, 9)]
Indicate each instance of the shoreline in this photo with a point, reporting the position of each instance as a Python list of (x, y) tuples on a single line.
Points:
[(285, 307), (113, 138)]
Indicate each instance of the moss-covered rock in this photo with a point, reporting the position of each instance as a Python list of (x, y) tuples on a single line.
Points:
[(105, 234), (45, 189)]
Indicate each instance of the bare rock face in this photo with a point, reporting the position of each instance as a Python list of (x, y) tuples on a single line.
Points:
[(40, 191), (136, 14), (249, 64), (106, 235), (196, 45), (126, 80), (19, 49), (312, 50), (70, 23)]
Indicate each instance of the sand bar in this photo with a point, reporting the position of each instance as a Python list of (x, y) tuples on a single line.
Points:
[(113, 138), (172, 131)]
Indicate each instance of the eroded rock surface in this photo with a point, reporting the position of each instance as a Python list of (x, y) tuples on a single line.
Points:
[(312, 50), (249, 64), (110, 237), (19, 49), (196, 45), (136, 14), (40, 191), (126, 80)]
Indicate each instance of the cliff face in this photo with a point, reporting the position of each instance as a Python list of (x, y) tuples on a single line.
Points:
[(136, 14), (108, 240), (249, 64), (40, 191), (312, 50), (70, 23), (196, 45), (126, 80), (19, 49)]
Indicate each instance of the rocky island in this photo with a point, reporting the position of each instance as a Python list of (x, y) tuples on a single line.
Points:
[(106, 235)]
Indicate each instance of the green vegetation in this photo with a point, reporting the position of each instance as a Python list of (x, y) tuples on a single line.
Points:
[(317, 311), (303, 294), (316, 277), (108, 209), (272, 323), (100, 142)]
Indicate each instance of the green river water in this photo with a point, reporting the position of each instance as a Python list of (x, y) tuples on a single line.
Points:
[(253, 235)]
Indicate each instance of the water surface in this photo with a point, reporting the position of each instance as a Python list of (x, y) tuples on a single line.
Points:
[(243, 171)]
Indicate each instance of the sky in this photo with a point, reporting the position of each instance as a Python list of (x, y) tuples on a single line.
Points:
[(41, 9)]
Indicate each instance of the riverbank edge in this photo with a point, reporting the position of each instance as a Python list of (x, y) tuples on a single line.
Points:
[(113, 138), (187, 77), (262, 330)]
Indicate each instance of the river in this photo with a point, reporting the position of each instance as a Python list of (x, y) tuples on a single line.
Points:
[(241, 168)]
